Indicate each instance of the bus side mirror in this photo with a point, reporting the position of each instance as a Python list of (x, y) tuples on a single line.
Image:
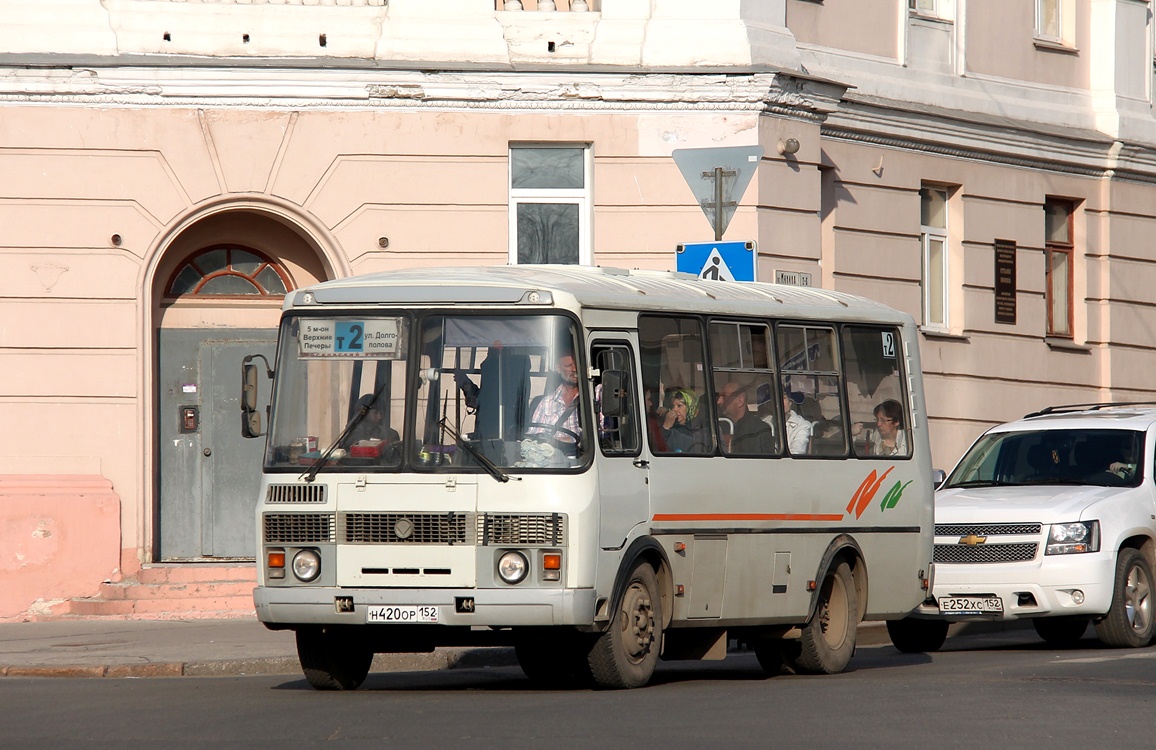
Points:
[(613, 393), (250, 417)]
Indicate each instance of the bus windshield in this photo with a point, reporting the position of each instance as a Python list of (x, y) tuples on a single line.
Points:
[(489, 393)]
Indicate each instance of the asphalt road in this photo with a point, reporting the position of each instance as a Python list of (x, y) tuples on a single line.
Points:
[(1004, 689)]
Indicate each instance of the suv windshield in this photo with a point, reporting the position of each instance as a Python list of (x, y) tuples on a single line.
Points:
[(479, 384), (1108, 458)]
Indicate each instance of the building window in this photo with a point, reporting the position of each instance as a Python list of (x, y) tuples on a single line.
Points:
[(1059, 243), (228, 271), (942, 9), (933, 246), (1055, 23), (550, 204)]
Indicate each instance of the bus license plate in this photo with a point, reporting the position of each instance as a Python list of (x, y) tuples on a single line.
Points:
[(390, 615), (970, 605)]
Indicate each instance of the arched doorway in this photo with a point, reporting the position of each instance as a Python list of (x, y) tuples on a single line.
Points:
[(218, 291)]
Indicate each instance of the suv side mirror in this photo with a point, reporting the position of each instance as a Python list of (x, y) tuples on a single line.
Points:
[(938, 477)]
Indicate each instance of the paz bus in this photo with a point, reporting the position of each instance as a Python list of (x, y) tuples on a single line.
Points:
[(597, 467)]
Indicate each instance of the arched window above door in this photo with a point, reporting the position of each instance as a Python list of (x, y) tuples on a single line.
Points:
[(228, 271)]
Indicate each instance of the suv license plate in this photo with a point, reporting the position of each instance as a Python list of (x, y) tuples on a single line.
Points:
[(970, 605), (390, 615)]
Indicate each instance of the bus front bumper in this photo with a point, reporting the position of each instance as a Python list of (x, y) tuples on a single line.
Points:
[(455, 607)]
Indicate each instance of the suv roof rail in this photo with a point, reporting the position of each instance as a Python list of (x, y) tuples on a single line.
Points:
[(1068, 408)]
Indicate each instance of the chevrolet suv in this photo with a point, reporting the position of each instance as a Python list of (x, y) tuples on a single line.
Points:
[(1053, 518)]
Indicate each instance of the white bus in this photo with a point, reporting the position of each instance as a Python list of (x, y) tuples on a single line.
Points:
[(597, 467)]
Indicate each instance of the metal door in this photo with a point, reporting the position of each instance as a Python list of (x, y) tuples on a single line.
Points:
[(209, 476)]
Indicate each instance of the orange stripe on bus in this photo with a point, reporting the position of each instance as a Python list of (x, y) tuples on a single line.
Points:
[(748, 517)]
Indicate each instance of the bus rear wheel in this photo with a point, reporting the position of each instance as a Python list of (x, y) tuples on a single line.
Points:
[(331, 659), (827, 642), (625, 655)]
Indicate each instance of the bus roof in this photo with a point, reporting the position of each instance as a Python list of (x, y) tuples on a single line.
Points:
[(591, 287)]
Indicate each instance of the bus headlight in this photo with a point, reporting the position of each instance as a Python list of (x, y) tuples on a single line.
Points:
[(306, 565), (512, 567)]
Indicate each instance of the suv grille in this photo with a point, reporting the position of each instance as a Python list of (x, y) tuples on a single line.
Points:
[(985, 553), (985, 529)]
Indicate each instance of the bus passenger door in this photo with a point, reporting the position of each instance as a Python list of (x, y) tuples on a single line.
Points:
[(621, 464)]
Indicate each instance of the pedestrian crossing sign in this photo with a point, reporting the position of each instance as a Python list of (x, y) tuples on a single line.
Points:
[(718, 261)]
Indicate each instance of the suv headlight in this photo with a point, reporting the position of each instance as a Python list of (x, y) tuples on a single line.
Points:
[(1073, 538)]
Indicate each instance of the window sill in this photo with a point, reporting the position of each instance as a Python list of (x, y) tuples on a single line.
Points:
[(1051, 45), (929, 17), (935, 333), (1066, 345)]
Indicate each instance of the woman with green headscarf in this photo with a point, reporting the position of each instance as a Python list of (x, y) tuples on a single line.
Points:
[(679, 427)]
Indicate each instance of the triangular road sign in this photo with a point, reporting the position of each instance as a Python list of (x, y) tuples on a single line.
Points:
[(718, 177)]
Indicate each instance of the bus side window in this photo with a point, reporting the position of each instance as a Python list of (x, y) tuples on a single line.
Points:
[(673, 372), (879, 411), (808, 364)]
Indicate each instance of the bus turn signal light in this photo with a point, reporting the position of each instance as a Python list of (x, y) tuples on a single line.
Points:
[(276, 563), (551, 566)]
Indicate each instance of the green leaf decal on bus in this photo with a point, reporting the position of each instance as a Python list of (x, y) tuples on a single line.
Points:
[(893, 495)]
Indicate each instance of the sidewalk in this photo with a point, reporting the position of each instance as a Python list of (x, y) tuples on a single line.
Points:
[(175, 648)]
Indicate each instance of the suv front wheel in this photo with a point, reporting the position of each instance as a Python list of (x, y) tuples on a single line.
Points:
[(1129, 622)]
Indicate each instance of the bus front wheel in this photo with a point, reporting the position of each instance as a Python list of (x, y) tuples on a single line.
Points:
[(332, 660), (827, 642), (625, 655)]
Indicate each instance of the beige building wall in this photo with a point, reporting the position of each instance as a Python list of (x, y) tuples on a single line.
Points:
[(363, 136)]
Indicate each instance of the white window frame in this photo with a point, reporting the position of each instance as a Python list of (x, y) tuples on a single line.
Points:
[(928, 234), (943, 10), (1064, 33), (581, 197)]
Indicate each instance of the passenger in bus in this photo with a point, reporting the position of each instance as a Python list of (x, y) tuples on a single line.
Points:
[(680, 426), (889, 438), (556, 415), (798, 429), (371, 433), (747, 434)]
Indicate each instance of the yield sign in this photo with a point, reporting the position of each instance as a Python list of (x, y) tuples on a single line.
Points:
[(718, 177)]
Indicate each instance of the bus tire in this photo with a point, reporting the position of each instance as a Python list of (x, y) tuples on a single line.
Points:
[(1129, 622), (332, 660), (912, 636), (624, 656), (827, 642)]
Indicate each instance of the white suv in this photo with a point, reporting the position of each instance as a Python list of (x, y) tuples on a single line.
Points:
[(1051, 517)]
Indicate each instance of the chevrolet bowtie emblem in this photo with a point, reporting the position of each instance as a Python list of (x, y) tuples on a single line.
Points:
[(972, 539)]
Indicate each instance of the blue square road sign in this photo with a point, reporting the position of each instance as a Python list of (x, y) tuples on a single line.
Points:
[(718, 261)]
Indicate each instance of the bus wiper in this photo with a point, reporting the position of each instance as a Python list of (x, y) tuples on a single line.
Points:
[(311, 473), (490, 467)]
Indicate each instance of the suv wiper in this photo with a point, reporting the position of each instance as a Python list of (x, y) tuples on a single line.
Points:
[(490, 467), (974, 483)]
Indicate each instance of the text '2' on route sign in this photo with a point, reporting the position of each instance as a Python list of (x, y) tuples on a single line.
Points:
[(718, 177), (717, 261)]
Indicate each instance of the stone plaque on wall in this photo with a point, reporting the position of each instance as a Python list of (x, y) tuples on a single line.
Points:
[(1005, 281)]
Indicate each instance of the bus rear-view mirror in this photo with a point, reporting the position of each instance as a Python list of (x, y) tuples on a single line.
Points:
[(613, 393)]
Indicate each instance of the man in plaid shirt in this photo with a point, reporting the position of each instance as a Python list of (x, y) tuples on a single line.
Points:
[(559, 408)]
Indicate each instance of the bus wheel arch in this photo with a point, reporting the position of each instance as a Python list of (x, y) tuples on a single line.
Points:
[(627, 651), (827, 641)]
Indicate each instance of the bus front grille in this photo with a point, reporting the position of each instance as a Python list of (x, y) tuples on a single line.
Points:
[(299, 528), (404, 528), (967, 554), (509, 528), (295, 493)]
